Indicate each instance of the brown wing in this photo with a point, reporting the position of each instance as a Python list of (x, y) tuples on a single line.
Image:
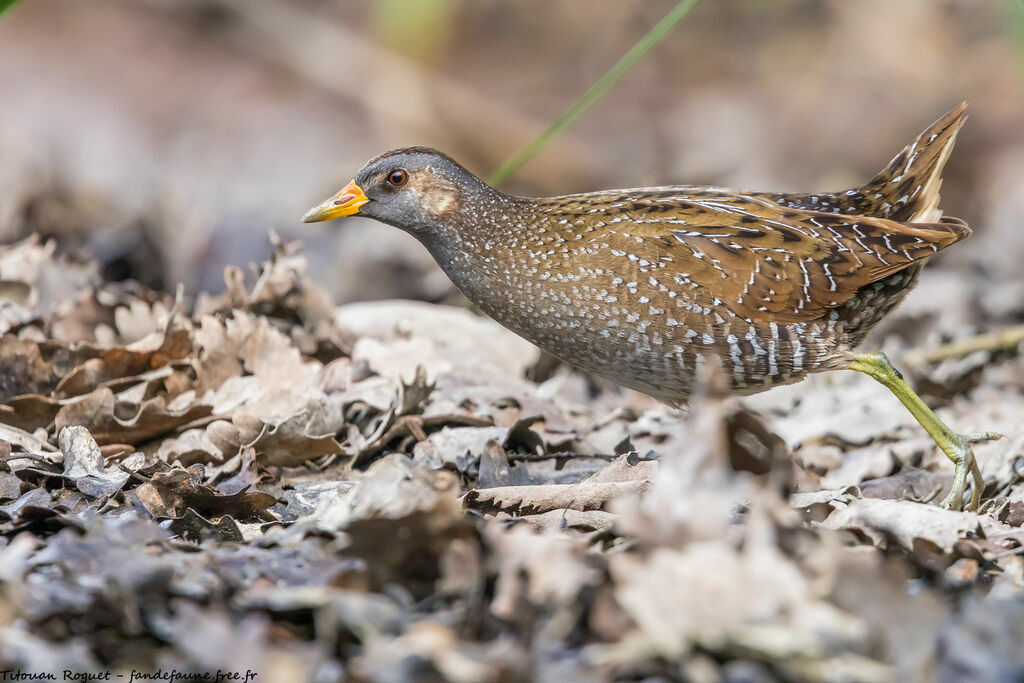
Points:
[(766, 263)]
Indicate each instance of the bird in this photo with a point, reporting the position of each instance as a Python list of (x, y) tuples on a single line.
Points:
[(647, 287)]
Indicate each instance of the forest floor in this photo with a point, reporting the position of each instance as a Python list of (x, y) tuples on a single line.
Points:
[(257, 481)]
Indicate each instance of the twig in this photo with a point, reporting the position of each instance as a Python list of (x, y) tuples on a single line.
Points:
[(1000, 340), (34, 457)]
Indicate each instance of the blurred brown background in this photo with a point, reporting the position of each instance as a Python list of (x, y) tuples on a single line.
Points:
[(168, 136)]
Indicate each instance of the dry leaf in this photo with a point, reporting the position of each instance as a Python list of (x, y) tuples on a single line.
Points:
[(147, 354), (526, 500), (110, 421), (290, 442), (83, 464), (22, 369), (906, 522), (171, 494)]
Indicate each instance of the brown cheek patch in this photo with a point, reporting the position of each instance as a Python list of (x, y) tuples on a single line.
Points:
[(437, 195)]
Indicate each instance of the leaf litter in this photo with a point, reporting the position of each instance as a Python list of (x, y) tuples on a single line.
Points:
[(378, 493)]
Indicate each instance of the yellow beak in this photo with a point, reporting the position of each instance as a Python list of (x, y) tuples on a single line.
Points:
[(345, 203)]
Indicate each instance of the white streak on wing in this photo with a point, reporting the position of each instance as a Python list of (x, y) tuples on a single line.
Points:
[(828, 274), (738, 370)]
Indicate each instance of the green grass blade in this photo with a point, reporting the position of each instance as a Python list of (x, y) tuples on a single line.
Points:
[(6, 5), (596, 92)]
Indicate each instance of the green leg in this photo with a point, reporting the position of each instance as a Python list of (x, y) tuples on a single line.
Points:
[(957, 447)]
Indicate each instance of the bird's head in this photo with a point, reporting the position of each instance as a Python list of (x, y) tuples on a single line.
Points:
[(417, 189)]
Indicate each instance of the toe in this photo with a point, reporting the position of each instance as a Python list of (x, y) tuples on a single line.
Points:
[(983, 436)]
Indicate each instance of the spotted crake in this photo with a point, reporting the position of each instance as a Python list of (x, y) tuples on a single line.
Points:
[(644, 286)]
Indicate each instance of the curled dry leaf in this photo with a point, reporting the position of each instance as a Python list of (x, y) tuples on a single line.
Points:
[(526, 500), (753, 600), (617, 478), (279, 383), (35, 280), (154, 351), (457, 447), (192, 525), (496, 470), (391, 488), (35, 497), (538, 568), (414, 394), (26, 441), (171, 494), (83, 464), (292, 442), (401, 433), (30, 412), (281, 290), (22, 369), (195, 446), (906, 522), (137, 319), (111, 421), (283, 443), (10, 487), (915, 485), (695, 491)]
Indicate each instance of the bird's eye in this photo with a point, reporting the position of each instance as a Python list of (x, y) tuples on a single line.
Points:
[(398, 177)]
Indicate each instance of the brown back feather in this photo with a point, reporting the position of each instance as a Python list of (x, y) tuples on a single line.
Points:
[(762, 261)]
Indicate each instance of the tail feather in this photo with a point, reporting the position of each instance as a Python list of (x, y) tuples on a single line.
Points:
[(907, 189), (957, 226)]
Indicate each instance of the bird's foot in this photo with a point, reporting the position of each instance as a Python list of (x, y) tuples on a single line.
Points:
[(957, 448)]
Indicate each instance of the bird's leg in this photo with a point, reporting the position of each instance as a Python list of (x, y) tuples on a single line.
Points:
[(957, 447)]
